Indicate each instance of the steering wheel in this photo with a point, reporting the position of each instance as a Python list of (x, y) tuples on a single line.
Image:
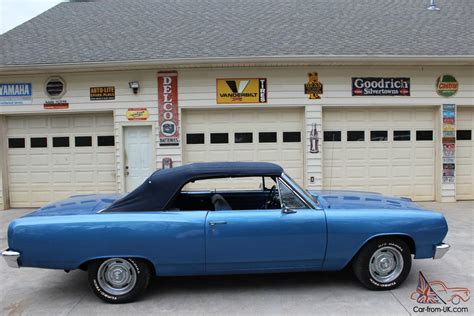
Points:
[(272, 198)]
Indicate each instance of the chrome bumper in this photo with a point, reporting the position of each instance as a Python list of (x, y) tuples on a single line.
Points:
[(11, 258), (441, 250)]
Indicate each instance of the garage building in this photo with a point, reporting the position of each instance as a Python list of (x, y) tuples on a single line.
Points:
[(380, 100)]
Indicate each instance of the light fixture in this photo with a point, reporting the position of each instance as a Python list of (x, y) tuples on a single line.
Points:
[(433, 6), (135, 85)]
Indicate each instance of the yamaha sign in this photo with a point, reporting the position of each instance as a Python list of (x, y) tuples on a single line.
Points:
[(378, 86)]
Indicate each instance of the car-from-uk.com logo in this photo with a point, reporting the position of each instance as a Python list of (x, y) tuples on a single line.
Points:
[(437, 297)]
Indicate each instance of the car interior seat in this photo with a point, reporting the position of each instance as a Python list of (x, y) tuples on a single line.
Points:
[(220, 204)]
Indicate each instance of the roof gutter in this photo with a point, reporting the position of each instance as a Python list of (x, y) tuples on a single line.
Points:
[(252, 61)]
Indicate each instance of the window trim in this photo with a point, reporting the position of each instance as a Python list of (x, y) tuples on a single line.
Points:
[(265, 142), (220, 134), (424, 140), (308, 205), (333, 140), (356, 131), (380, 140)]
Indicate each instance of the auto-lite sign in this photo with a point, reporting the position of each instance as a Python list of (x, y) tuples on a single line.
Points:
[(15, 93), (377, 86), (168, 119), (242, 90), (102, 93)]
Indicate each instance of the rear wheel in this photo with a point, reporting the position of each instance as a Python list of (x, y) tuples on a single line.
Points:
[(383, 264), (119, 280)]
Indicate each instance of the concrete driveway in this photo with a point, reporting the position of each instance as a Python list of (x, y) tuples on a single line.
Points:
[(50, 292)]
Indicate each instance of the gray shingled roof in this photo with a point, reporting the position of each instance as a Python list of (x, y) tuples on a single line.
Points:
[(118, 30)]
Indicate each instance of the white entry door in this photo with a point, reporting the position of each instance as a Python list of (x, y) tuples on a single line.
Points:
[(138, 155)]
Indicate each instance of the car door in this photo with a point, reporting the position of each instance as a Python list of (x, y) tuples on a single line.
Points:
[(288, 239)]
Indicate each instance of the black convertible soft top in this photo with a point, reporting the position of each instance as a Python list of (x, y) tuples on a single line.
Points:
[(157, 191)]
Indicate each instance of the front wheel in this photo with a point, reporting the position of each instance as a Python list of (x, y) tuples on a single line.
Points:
[(119, 280), (383, 264)]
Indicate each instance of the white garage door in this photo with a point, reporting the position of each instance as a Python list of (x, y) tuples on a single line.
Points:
[(465, 154), (270, 135), (54, 157), (391, 151)]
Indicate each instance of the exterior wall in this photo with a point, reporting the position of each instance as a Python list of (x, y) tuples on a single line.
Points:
[(3, 171), (197, 89)]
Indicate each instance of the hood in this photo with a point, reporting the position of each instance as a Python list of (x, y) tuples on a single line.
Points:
[(77, 205), (338, 199)]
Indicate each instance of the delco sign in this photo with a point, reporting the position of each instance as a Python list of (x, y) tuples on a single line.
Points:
[(168, 108), (15, 93), (378, 86)]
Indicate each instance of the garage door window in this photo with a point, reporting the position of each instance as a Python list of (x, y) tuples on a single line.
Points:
[(464, 134), (38, 142), (378, 136), (16, 143), (105, 140), (291, 137), (243, 138), (424, 135), (401, 135), (83, 141), (197, 138), (60, 141), (355, 136), (267, 137), (332, 136), (219, 138)]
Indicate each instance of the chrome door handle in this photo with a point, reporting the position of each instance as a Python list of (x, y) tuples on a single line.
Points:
[(217, 223)]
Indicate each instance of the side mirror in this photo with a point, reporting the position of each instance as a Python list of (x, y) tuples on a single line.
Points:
[(286, 210)]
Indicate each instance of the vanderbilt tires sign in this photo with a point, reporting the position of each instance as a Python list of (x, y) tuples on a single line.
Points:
[(242, 90)]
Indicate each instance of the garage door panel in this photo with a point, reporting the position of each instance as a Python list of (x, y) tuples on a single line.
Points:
[(465, 155), (392, 167), (403, 171), (41, 175), (288, 154)]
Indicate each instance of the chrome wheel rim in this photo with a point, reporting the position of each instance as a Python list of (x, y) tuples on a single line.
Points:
[(386, 264), (117, 276)]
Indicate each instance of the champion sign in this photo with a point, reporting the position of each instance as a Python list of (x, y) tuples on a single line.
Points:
[(168, 108), (15, 93), (375, 86)]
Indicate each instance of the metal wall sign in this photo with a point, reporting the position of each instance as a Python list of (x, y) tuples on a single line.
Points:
[(55, 87), (55, 105), (449, 143), (379, 86), (313, 87), (168, 112), (446, 86), (137, 114), (102, 93), (241, 90), (15, 93)]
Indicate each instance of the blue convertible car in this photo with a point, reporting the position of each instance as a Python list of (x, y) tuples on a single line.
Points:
[(225, 218)]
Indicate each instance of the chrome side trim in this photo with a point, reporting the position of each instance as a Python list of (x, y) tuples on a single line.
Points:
[(11, 258), (441, 250)]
